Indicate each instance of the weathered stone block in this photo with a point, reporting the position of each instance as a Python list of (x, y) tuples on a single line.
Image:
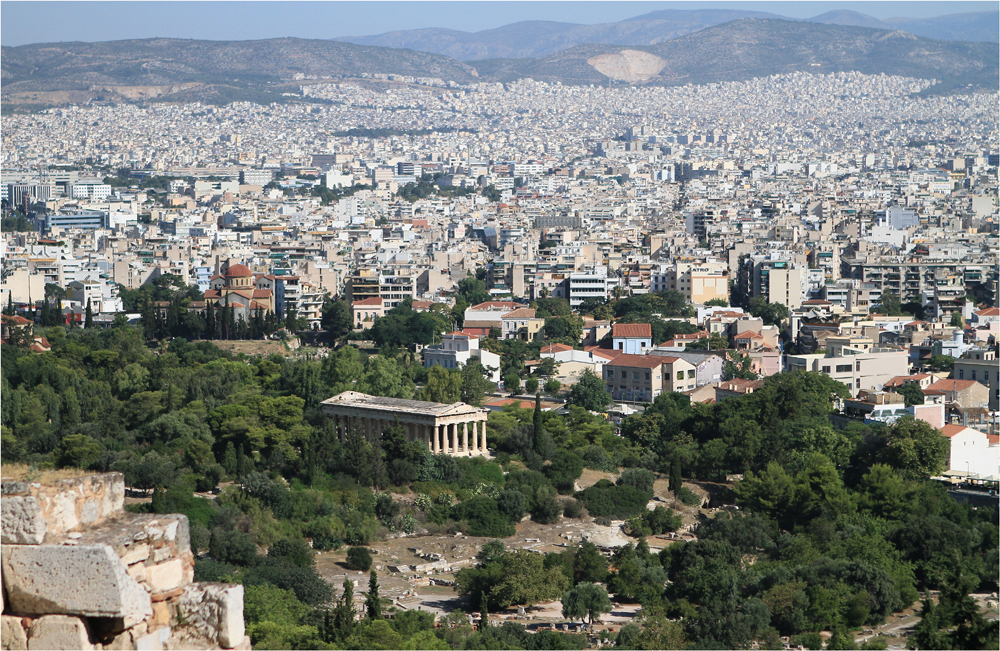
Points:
[(231, 625), (62, 512), (12, 634), (22, 521), (58, 632), (87, 580), (135, 553), (165, 576)]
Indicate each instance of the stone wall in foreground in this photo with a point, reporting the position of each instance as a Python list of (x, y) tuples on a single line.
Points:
[(78, 572)]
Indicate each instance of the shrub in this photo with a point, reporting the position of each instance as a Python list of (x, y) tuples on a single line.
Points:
[(688, 497), (596, 458), (565, 469), (309, 587), (547, 507), (617, 502), (638, 478), (296, 552), (483, 518), (232, 547), (603, 520), (402, 472), (658, 521), (359, 558), (572, 508), (531, 385), (513, 504)]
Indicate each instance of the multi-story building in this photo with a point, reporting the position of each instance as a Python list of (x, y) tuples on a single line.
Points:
[(869, 371), (455, 351), (256, 177), (980, 364)]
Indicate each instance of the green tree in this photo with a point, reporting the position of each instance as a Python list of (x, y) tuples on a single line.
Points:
[(343, 614), (552, 386), (585, 600), (589, 393), (531, 385), (717, 302), (373, 604), (359, 558), (475, 384), (441, 386), (589, 564), (89, 319), (912, 393), (78, 451), (336, 318), (914, 448)]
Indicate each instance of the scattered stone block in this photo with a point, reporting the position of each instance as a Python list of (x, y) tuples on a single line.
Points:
[(231, 625), (86, 580), (58, 632), (22, 521), (153, 641), (12, 633)]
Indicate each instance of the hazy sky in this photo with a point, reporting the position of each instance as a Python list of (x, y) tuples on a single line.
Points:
[(47, 22)]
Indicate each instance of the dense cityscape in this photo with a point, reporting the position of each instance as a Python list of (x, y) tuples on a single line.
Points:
[(408, 363)]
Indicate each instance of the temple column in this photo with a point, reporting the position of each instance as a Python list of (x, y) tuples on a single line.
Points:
[(425, 435), (452, 438), (475, 436), (436, 435), (465, 438), (482, 437)]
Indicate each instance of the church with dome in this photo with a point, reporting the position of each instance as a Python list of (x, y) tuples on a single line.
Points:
[(236, 285)]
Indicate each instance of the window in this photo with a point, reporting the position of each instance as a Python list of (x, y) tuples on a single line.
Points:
[(961, 374), (624, 375), (611, 374), (635, 375), (621, 345), (843, 368), (647, 376), (857, 367), (680, 375), (691, 373), (973, 375), (826, 369)]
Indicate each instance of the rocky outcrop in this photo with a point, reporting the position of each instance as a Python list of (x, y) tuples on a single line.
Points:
[(628, 65), (78, 572)]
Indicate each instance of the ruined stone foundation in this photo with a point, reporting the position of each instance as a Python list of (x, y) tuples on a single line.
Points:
[(80, 573)]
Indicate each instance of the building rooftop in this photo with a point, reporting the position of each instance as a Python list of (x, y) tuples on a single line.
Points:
[(364, 401)]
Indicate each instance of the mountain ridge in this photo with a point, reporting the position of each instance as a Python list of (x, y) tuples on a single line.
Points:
[(512, 40), (273, 69)]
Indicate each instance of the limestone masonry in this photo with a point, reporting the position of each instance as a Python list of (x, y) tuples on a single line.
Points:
[(81, 573)]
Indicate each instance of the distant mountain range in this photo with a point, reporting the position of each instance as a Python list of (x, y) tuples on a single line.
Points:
[(532, 39), (270, 70), (748, 48)]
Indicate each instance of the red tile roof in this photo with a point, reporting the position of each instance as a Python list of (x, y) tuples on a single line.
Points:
[(748, 334), (520, 313), (556, 348), (951, 385), (951, 430), (639, 361), (374, 301), (632, 330)]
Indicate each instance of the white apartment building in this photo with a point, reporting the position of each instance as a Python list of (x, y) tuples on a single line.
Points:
[(455, 351)]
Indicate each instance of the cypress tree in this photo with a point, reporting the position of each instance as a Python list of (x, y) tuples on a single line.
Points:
[(675, 475), (89, 321), (10, 304), (343, 619), (229, 459), (373, 604)]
